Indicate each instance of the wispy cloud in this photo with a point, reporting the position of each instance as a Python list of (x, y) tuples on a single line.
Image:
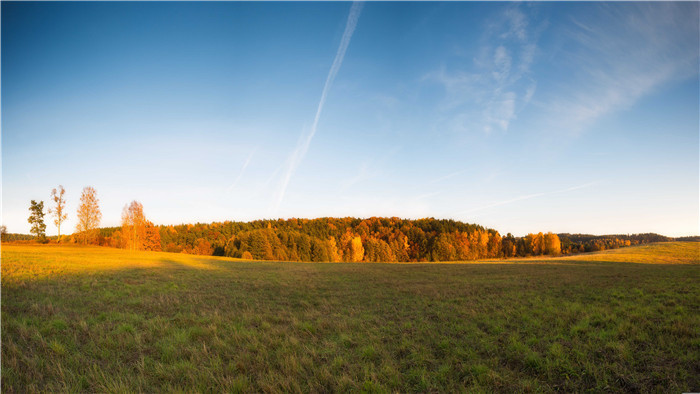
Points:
[(620, 54), (446, 177), (487, 94), (363, 173), (241, 172), (526, 197), (305, 138)]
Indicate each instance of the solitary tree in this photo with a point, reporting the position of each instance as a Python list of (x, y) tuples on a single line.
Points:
[(36, 219), (3, 232), (60, 210), (89, 214)]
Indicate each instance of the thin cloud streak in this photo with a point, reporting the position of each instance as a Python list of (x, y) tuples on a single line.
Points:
[(527, 197), (613, 74), (240, 173), (446, 177), (304, 141)]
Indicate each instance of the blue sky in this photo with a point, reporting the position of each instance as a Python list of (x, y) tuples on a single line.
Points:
[(523, 117)]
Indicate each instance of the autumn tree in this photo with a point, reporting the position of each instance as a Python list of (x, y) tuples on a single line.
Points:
[(534, 244), (260, 246), (508, 246), (59, 211), (319, 250), (203, 247), (552, 245), (444, 249), (36, 219), (133, 226), (461, 245), (3, 233), (376, 250), (494, 246), (88, 214), (333, 253)]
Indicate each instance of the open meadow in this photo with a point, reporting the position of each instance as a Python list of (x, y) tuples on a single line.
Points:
[(101, 319)]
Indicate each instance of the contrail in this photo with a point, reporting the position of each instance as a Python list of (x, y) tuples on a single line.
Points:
[(240, 174), (304, 141), (527, 197)]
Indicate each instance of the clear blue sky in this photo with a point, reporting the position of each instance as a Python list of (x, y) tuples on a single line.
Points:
[(564, 117)]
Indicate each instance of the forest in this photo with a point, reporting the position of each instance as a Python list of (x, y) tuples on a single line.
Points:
[(375, 239), (354, 240)]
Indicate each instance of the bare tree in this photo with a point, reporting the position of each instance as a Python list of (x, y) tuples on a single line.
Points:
[(89, 214), (59, 210)]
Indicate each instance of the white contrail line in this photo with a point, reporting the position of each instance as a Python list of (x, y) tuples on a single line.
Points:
[(527, 197), (240, 174), (303, 143), (446, 177)]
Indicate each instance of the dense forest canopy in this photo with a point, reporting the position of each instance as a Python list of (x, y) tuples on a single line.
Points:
[(346, 239)]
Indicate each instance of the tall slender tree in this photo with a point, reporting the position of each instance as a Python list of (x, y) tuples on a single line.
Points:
[(133, 225), (89, 214), (59, 211), (36, 219)]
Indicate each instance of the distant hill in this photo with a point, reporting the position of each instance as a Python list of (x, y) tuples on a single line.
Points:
[(354, 239)]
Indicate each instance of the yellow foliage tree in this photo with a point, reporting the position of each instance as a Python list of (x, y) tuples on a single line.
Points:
[(552, 245), (357, 250), (133, 226), (89, 215), (333, 251)]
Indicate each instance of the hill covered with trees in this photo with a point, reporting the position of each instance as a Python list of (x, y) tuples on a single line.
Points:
[(352, 240), (375, 239)]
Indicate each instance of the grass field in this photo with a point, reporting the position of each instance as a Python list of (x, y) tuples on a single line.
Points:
[(98, 319)]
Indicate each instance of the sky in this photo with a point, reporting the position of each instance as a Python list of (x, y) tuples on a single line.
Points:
[(522, 117)]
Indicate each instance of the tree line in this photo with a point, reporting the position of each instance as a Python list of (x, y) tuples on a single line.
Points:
[(375, 239)]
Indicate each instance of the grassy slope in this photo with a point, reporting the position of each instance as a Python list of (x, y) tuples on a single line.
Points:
[(96, 319)]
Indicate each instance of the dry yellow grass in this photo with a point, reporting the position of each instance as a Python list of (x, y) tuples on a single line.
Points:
[(656, 253)]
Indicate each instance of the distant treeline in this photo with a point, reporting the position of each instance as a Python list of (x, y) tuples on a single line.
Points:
[(693, 238), (12, 237), (324, 239), (351, 240), (355, 240), (577, 243)]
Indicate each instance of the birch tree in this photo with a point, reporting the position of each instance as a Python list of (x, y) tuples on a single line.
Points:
[(133, 225), (59, 211)]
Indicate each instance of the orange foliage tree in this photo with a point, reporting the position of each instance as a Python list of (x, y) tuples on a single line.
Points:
[(137, 233)]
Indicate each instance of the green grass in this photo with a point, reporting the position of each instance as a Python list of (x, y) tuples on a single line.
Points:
[(98, 319)]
